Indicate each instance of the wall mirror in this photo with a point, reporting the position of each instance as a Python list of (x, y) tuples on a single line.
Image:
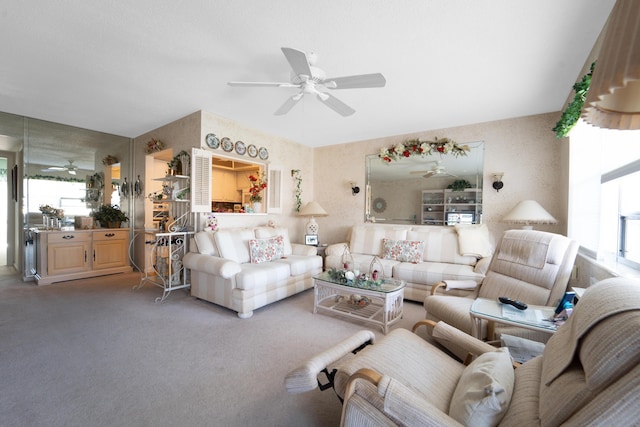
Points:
[(62, 166), (394, 191)]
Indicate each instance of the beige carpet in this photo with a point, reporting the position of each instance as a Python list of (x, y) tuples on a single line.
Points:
[(95, 353)]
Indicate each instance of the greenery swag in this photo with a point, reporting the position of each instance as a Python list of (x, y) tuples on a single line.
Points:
[(571, 114), (295, 173)]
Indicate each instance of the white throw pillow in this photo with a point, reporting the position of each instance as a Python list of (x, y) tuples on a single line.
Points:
[(484, 390), (474, 240)]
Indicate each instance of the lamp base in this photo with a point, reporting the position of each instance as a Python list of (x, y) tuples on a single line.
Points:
[(312, 226)]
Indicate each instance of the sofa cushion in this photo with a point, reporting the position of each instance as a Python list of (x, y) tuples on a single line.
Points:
[(474, 240), (300, 264), (367, 239), (266, 232), (260, 276), (431, 273), (265, 250), (441, 245), (233, 243), (484, 390), (403, 250), (205, 243)]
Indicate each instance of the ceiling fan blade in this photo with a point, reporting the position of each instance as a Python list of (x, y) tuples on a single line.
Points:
[(356, 82), (261, 84), (298, 61), (418, 172), (336, 105), (288, 104), (53, 169)]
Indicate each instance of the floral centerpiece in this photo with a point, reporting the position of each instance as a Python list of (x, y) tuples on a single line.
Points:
[(257, 185), (51, 212), (417, 147)]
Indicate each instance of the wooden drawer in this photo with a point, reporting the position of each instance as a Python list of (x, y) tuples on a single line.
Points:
[(69, 237), (110, 234)]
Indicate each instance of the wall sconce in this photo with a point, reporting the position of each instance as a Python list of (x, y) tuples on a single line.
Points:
[(354, 188), (497, 181)]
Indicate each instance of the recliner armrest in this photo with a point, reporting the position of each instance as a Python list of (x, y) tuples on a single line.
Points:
[(447, 334)]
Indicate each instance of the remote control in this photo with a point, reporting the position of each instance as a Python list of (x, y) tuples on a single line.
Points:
[(517, 304)]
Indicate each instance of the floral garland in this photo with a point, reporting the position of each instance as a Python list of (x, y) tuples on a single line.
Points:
[(295, 173), (257, 185), (154, 145), (416, 147)]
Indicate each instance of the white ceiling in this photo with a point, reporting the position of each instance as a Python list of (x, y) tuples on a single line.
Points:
[(127, 67)]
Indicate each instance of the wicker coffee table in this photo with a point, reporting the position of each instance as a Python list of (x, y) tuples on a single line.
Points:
[(376, 302)]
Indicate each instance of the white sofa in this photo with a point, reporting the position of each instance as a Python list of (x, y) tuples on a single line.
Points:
[(454, 254), (222, 271)]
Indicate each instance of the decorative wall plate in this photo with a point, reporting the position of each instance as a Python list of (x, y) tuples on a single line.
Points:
[(212, 140), (252, 151), (240, 148), (263, 153), (227, 144)]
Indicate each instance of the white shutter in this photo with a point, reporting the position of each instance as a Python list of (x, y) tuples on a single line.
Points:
[(275, 191), (200, 180)]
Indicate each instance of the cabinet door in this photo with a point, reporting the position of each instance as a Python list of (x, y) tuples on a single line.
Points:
[(65, 258), (109, 249)]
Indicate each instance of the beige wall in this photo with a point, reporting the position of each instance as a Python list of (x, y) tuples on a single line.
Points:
[(524, 148)]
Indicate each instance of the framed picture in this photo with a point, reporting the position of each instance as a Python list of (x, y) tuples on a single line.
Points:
[(311, 239)]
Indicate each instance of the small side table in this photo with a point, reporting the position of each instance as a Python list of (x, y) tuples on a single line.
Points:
[(321, 252), (492, 310)]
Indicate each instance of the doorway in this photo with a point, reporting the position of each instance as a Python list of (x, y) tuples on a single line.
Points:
[(4, 207)]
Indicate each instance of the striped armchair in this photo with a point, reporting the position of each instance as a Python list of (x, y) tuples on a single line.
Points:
[(528, 265), (589, 373)]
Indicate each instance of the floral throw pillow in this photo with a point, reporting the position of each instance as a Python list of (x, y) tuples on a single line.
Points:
[(403, 250), (265, 250)]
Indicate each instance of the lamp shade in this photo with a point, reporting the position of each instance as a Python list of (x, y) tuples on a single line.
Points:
[(312, 209), (529, 212), (613, 100)]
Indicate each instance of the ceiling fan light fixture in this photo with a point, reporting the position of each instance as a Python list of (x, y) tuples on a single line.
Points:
[(309, 79)]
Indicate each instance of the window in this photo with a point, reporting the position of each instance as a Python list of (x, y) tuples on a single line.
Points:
[(604, 196), (620, 220)]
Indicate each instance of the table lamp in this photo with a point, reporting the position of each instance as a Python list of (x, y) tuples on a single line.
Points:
[(312, 209), (529, 212)]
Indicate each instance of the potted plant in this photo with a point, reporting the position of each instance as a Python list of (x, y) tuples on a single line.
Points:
[(110, 216)]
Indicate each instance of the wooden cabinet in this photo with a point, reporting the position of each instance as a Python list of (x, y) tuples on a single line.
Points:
[(448, 207), (69, 255), (110, 249)]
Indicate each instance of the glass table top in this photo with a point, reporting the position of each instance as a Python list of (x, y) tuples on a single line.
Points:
[(535, 315), (381, 285)]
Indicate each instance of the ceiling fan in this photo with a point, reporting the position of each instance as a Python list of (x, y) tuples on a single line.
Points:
[(312, 80), (71, 168), (437, 170)]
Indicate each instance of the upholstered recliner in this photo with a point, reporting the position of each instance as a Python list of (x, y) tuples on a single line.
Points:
[(589, 373), (528, 265)]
